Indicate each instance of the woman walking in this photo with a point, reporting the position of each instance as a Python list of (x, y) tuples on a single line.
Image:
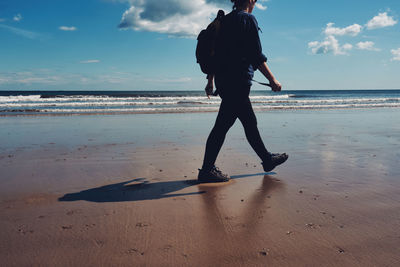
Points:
[(239, 54)]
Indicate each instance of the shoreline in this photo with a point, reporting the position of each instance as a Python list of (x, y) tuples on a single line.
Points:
[(256, 109)]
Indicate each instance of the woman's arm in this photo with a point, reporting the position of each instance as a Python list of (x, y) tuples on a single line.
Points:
[(275, 84), (257, 58)]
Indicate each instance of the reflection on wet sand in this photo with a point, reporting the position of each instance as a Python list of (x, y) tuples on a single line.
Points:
[(228, 237)]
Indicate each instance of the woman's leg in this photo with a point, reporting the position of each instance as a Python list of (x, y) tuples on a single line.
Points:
[(226, 118), (248, 119)]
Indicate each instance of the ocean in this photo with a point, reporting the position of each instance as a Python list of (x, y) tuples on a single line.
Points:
[(110, 102)]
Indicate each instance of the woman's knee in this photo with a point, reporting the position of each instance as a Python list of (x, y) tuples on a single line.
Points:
[(249, 122), (222, 127)]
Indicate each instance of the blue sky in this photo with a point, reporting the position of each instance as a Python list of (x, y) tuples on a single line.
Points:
[(150, 44)]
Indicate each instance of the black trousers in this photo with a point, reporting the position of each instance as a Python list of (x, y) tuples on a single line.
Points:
[(229, 111)]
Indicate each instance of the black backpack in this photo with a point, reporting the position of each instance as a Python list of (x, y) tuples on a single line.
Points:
[(205, 49)]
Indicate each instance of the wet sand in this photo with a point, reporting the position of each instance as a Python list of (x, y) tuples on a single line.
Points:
[(121, 191)]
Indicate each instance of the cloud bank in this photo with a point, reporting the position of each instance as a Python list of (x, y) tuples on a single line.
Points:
[(331, 45), (28, 78), (173, 17), (54, 79)]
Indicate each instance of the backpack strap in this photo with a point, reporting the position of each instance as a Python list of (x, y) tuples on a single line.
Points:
[(265, 84)]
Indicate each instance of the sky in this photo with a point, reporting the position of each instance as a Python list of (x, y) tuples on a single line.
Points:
[(150, 44)]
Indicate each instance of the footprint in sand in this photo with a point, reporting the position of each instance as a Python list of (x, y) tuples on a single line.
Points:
[(23, 231), (134, 251), (166, 248), (99, 243), (87, 226), (70, 212), (140, 224), (340, 250)]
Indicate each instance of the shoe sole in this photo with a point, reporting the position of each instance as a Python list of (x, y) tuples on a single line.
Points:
[(213, 180)]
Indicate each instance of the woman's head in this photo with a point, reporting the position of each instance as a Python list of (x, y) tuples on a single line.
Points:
[(244, 4)]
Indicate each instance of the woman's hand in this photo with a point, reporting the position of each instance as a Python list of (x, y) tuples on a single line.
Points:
[(209, 89), (275, 85), (210, 85)]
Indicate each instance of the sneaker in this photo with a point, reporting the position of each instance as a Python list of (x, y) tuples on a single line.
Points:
[(212, 176), (276, 159)]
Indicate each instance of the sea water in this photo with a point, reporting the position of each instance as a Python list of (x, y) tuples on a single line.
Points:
[(108, 102)]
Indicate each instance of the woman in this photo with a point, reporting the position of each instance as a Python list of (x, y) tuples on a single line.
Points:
[(239, 54)]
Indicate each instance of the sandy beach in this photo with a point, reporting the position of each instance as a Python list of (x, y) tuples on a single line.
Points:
[(121, 190)]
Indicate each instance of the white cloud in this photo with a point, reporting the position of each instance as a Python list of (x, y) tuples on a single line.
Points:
[(17, 17), (380, 21), (367, 45), (90, 61), (173, 17), (329, 45), (347, 47), (260, 6), (396, 54), (66, 28), (352, 30)]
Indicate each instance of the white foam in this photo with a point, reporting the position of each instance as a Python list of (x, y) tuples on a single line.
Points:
[(214, 108), (103, 104), (19, 98), (54, 102), (79, 98), (139, 110), (335, 106)]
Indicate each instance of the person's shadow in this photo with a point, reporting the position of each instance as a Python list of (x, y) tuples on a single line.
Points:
[(139, 189)]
